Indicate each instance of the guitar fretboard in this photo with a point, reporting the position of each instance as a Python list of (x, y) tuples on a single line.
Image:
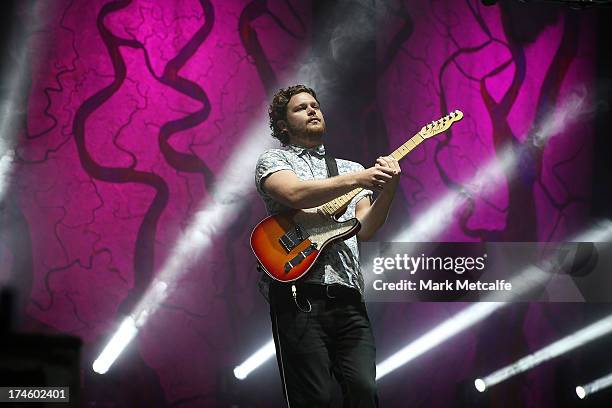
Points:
[(340, 203)]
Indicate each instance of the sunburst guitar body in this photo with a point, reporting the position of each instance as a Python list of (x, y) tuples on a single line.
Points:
[(287, 245)]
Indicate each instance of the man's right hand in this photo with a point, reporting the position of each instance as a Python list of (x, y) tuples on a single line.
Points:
[(375, 177)]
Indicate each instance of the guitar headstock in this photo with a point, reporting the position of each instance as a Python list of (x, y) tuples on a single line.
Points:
[(440, 125)]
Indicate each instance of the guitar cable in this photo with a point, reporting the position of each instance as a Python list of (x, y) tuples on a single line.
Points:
[(297, 304)]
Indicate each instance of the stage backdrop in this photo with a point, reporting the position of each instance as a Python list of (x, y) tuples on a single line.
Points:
[(135, 108)]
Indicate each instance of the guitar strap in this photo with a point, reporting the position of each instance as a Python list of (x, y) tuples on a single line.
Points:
[(332, 166)]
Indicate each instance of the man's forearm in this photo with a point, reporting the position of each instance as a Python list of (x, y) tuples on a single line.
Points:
[(284, 187), (376, 215), (312, 193)]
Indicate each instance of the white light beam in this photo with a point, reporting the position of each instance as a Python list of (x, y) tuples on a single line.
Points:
[(559, 347), (447, 329), (584, 391), (258, 358), (127, 331)]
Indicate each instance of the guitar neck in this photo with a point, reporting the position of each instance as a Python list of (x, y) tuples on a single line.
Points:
[(340, 203), (407, 147)]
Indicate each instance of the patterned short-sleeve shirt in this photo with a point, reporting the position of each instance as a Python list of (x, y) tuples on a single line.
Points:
[(339, 262)]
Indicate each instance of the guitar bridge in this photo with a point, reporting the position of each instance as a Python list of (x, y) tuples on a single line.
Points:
[(300, 257), (293, 238)]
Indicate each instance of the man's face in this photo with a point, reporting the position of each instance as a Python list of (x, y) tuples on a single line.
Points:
[(304, 117)]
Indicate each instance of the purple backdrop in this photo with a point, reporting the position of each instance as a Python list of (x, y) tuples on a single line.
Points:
[(135, 107)]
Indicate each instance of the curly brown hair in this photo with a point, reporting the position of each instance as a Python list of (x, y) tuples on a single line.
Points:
[(278, 109)]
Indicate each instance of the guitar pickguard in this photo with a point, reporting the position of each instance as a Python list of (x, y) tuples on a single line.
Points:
[(321, 228)]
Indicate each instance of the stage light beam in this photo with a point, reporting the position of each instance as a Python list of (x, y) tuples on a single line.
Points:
[(581, 337), (480, 385), (584, 391), (13, 103), (127, 331), (258, 358), (449, 328)]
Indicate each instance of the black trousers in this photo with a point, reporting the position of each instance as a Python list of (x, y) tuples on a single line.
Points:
[(333, 339)]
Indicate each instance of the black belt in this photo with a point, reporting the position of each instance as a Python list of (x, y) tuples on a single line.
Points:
[(282, 291)]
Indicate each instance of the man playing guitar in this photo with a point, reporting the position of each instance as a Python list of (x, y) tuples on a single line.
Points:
[(320, 324)]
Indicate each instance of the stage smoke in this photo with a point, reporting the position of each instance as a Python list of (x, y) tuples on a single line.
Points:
[(575, 107), (500, 169), (429, 225), (6, 165), (15, 88)]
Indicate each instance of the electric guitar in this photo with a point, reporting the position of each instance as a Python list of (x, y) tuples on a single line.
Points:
[(287, 245)]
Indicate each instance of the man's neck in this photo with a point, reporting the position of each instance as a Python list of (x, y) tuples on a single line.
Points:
[(306, 142)]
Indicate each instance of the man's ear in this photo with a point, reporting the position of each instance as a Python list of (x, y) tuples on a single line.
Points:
[(282, 125)]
